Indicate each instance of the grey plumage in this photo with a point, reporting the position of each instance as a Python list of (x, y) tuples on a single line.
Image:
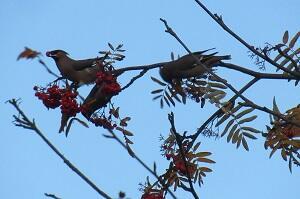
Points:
[(79, 71), (186, 66)]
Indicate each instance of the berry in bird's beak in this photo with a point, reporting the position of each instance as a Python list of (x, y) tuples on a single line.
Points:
[(49, 54)]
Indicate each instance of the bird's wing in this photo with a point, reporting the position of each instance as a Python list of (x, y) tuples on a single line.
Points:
[(79, 65)]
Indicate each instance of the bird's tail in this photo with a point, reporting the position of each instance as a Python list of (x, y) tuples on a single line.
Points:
[(63, 122), (225, 57)]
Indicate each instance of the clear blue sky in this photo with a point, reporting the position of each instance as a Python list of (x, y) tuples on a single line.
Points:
[(29, 168)]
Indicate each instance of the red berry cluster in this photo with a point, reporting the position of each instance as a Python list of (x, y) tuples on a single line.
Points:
[(54, 97), (103, 122), (51, 97), (153, 195), (180, 166), (109, 82), (69, 105), (178, 162)]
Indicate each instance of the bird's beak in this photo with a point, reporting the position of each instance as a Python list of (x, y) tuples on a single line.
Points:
[(49, 54)]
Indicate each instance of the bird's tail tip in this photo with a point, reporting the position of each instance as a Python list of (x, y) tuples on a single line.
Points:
[(226, 57)]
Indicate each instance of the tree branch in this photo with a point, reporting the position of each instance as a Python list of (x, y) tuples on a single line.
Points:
[(256, 74), (31, 125), (182, 154), (132, 154), (237, 93), (220, 21)]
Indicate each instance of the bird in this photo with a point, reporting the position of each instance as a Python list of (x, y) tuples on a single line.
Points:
[(187, 66), (78, 71), (95, 100)]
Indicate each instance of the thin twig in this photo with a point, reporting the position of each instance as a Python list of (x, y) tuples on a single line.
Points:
[(257, 74), (247, 101), (47, 68), (51, 196), (182, 153), (133, 154), (220, 21), (141, 74), (33, 126), (141, 67), (172, 33), (219, 111)]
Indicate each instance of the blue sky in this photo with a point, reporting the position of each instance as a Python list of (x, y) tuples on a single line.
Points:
[(29, 168)]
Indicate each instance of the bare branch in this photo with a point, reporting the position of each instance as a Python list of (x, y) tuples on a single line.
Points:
[(257, 74), (141, 74), (132, 154), (32, 126), (179, 138), (52, 196), (220, 21)]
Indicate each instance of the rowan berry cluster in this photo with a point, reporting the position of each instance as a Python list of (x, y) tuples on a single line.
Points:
[(153, 195), (54, 97), (178, 162), (69, 105), (109, 83), (51, 96), (103, 122)]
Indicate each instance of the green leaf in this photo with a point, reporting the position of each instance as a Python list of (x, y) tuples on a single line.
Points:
[(196, 146), (248, 119), (275, 108), (227, 127), (294, 40), (285, 51), (290, 164), (161, 103), (205, 169), (225, 117), (174, 94), (157, 91), (217, 85), (206, 160), (245, 145), (219, 97), (111, 46), (253, 130), (156, 97), (235, 109), (249, 135), (283, 154), (239, 141), (158, 81), (285, 37), (202, 154), (166, 100), (81, 122), (285, 61), (244, 112), (214, 94), (235, 136), (170, 99), (231, 132), (274, 149)]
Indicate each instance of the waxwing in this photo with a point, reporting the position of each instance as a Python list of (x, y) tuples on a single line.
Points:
[(95, 100), (78, 71), (186, 66)]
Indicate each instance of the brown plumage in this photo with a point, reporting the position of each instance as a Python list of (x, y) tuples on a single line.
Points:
[(95, 100), (78, 71), (186, 66)]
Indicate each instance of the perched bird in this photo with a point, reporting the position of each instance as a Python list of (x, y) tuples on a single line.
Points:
[(77, 71), (186, 66), (95, 100)]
